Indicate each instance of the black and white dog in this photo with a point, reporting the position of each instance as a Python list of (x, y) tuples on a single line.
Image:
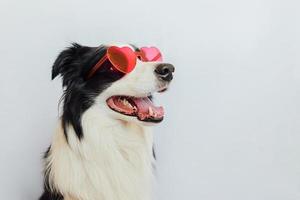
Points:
[(102, 148)]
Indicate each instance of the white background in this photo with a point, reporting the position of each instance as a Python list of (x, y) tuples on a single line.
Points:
[(232, 130)]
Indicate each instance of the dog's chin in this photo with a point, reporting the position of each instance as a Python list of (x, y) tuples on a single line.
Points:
[(135, 109), (132, 120)]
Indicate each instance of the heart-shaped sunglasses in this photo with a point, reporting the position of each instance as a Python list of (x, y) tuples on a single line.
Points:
[(123, 59)]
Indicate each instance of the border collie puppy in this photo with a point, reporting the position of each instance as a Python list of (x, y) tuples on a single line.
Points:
[(102, 147)]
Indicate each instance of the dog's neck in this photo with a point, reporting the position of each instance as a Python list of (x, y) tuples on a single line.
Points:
[(112, 161)]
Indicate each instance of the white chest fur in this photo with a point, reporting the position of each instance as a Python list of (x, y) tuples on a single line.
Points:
[(113, 161)]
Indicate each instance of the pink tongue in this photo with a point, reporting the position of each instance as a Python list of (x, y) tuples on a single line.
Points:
[(146, 109)]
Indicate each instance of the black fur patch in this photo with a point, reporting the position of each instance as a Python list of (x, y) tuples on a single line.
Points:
[(47, 195), (73, 64)]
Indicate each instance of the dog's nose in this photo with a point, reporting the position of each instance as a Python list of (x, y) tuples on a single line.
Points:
[(165, 71)]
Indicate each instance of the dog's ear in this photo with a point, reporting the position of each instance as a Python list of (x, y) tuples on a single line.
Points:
[(64, 63)]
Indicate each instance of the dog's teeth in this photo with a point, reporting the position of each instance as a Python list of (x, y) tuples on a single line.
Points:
[(150, 111), (126, 103)]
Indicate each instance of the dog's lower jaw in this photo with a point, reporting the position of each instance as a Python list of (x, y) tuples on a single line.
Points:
[(112, 161)]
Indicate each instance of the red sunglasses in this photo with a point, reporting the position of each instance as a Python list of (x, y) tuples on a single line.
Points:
[(123, 59)]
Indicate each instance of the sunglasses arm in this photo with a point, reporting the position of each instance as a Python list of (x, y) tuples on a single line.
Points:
[(97, 66)]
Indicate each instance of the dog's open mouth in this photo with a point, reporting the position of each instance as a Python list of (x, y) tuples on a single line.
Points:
[(140, 107)]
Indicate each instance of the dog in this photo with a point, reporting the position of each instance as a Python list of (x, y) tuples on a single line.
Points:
[(102, 148)]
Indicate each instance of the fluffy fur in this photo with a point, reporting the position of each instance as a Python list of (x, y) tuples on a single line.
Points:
[(97, 153)]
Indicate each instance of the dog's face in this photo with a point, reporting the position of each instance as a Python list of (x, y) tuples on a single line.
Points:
[(121, 96)]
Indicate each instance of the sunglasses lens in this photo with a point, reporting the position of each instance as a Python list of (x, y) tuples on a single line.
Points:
[(151, 54), (123, 59)]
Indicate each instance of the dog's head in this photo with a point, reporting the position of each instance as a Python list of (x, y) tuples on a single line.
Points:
[(126, 97)]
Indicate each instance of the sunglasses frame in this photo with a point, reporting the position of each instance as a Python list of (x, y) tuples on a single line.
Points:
[(138, 55)]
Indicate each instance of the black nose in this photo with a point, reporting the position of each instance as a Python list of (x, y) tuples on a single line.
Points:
[(165, 71)]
